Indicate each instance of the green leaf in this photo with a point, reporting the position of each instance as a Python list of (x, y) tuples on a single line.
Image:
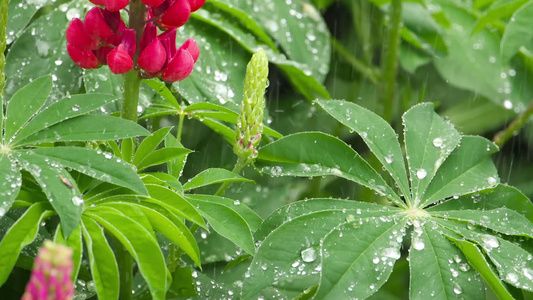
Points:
[(10, 187), (160, 88), (294, 232), (227, 223), (182, 284), (149, 144), (349, 267), (225, 131), (25, 103), (141, 245), (502, 220), (438, 269), (20, 14), (87, 128), (477, 260), (213, 176), (66, 200), (175, 230), (317, 154), (41, 50), (376, 133), (102, 166), (161, 156), (429, 139), (251, 217), (512, 262), (468, 169), (75, 242), (20, 234), (517, 32), (162, 179), (502, 196), (176, 165), (104, 268), (179, 205), (61, 110), (126, 209), (499, 10)]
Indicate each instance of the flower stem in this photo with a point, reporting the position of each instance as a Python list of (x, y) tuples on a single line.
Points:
[(239, 165), (180, 126), (130, 101), (503, 136), (390, 64), (3, 42)]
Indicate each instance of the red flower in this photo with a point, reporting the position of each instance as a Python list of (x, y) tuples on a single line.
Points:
[(78, 36), (112, 5), (119, 60), (83, 58)]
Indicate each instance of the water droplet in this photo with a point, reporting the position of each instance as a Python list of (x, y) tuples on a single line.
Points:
[(393, 253), (437, 142), (418, 244), (389, 159), (489, 242), (421, 173), (511, 277), (308, 255), (77, 200), (457, 289), (508, 104), (492, 181)]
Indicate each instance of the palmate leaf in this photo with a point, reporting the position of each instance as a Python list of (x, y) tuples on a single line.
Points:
[(466, 226), (10, 186), (74, 241), (213, 176)]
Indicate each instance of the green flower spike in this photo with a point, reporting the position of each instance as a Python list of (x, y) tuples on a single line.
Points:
[(250, 122)]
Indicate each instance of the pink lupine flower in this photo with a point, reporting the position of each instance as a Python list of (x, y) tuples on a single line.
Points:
[(153, 57), (196, 4), (119, 60), (191, 46), (51, 274), (179, 67), (78, 36), (83, 58), (112, 5)]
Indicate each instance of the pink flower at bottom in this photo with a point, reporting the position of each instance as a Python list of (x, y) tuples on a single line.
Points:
[(50, 277)]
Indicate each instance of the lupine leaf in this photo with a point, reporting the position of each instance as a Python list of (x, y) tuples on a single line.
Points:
[(20, 234), (213, 176), (25, 103), (87, 128), (161, 156), (516, 32), (290, 156), (377, 134), (149, 144), (10, 187), (141, 245), (102, 166), (104, 267), (75, 242)]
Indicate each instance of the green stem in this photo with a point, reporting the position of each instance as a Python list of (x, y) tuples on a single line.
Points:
[(132, 84), (180, 126), (125, 267), (176, 252), (3, 42), (357, 65), (239, 165), (503, 136), (390, 64)]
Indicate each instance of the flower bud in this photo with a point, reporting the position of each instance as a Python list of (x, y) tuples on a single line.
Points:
[(82, 57), (153, 57), (196, 4), (149, 34), (50, 278), (78, 36), (153, 3), (115, 5), (179, 67), (119, 60), (177, 14), (128, 41), (96, 25), (102, 54), (191, 46)]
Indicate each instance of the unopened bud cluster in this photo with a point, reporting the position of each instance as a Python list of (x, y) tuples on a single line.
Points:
[(50, 277), (250, 121), (104, 39)]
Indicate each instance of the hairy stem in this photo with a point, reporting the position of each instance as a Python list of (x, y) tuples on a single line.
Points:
[(503, 136), (390, 64)]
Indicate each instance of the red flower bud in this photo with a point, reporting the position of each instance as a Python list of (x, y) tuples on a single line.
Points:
[(168, 39), (191, 46), (82, 57), (78, 36), (196, 4), (97, 2), (179, 67), (96, 25), (153, 3), (128, 41), (115, 5), (149, 34), (119, 60), (102, 54), (177, 14), (153, 57)]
